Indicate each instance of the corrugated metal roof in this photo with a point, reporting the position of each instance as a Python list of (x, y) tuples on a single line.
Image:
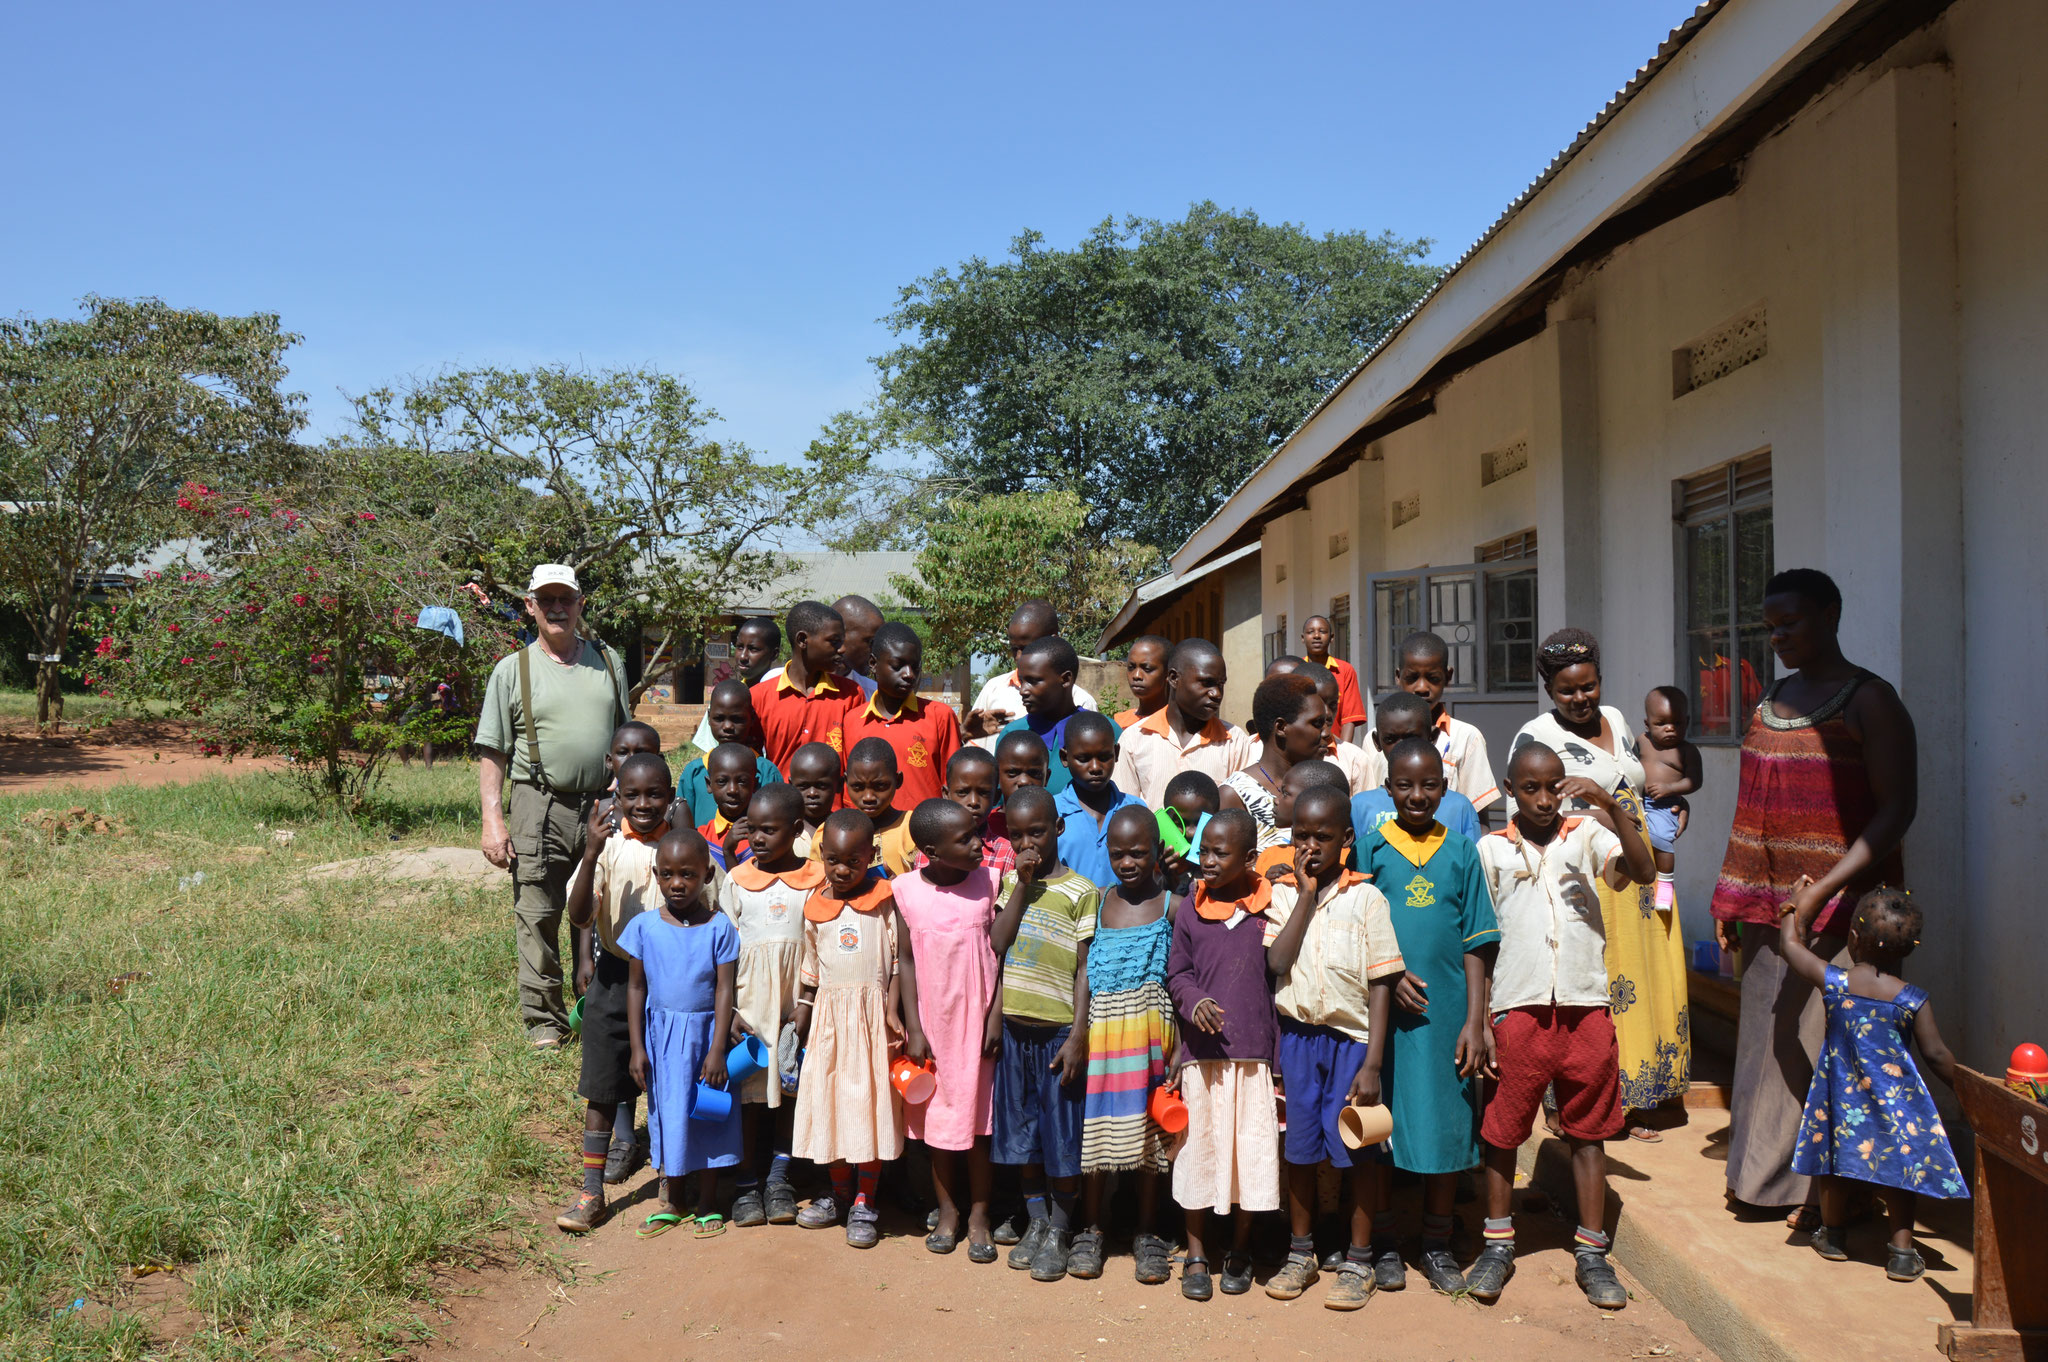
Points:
[(1672, 45)]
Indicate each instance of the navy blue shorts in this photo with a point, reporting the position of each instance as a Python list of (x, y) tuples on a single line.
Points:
[(1317, 1065), (1036, 1120)]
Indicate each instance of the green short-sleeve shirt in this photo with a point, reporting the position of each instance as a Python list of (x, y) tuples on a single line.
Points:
[(575, 709), (1039, 969)]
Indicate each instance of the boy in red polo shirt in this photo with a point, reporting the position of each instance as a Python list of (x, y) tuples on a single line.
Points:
[(924, 734), (805, 701), (1351, 717)]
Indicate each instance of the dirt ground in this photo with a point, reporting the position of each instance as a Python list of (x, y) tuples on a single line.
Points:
[(121, 751), (780, 1290)]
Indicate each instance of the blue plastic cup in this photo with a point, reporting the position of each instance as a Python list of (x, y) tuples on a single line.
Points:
[(710, 1104), (746, 1059)]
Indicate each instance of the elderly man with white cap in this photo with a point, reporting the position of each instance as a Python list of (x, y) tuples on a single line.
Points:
[(548, 717)]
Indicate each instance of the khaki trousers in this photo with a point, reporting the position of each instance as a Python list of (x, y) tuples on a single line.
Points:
[(547, 831)]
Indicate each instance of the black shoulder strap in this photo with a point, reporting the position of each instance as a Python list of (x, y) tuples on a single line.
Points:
[(604, 652)]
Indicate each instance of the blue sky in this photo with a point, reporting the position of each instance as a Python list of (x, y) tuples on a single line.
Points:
[(730, 191)]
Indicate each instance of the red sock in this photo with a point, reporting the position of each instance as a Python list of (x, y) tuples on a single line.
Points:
[(870, 1176), (842, 1182)]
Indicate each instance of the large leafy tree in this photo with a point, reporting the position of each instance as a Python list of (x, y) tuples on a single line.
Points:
[(102, 417), (985, 553), (612, 472), (1148, 369)]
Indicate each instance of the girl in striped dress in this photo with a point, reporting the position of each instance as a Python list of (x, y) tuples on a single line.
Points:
[(1130, 1041)]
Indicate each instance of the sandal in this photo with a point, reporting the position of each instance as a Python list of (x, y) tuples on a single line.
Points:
[(659, 1222), (1805, 1217), (710, 1226), (1645, 1134)]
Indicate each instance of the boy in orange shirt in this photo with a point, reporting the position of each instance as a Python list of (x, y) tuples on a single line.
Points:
[(924, 733), (1351, 717)]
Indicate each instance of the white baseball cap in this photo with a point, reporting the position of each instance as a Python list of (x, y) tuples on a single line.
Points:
[(553, 574)]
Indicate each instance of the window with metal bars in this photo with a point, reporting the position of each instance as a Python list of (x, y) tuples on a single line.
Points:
[(1723, 519), (1484, 612), (1521, 544), (1340, 626), (1276, 642)]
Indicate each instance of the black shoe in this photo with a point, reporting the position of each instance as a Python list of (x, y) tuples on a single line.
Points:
[(1389, 1273), (781, 1203), (1084, 1256), (1027, 1244), (1903, 1264), (748, 1209), (1236, 1275), (1597, 1280), (1006, 1233), (621, 1159), (1491, 1272), (1195, 1283), (1442, 1270), (1832, 1243), (1049, 1263), (981, 1253), (1154, 1260)]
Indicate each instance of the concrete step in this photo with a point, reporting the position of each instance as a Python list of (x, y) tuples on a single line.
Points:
[(1747, 1286)]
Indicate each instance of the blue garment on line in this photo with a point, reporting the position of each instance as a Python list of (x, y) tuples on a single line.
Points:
[(442, 620)]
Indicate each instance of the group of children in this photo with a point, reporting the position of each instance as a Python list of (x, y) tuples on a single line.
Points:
[(1091, 985)]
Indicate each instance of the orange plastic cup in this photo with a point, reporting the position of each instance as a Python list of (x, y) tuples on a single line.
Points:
[(1167, 1111), (913, 1081)]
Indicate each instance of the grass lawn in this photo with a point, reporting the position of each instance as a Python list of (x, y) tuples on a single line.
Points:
[(79, 709), (319, 1093)]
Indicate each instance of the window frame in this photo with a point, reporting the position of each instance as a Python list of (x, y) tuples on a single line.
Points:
[(1480, 689), (1741, 491)]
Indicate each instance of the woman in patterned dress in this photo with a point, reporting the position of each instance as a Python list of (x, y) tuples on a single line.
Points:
[(1292, 725), (1828, 787), (1645, 944)]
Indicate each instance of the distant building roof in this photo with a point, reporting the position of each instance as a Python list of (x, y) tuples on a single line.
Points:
[(1151, 598), (826, 576)]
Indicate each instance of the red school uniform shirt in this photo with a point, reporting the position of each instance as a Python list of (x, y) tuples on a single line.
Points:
[(792, 716), (1350, 700), (925, 734)]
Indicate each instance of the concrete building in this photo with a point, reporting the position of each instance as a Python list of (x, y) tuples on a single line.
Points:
[(1780, 304)]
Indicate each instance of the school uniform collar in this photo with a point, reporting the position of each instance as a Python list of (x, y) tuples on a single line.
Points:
[(831, 683), (822, 907), (1515, 838), (750, 875), (1417, 850), (716, 826), (1222, 910), (1161, 722), (650, 839), (913, 705), (1068, 801)]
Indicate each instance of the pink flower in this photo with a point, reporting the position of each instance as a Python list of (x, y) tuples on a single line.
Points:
[(184, 661), (253, 608), (312, 573), (106, 646), (366, 515), (298, 598), (174, 628)]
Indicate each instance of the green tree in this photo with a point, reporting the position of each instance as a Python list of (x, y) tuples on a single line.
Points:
[(102, 417), (297, 635), (984, 554), (609, 471), (1148, 370)]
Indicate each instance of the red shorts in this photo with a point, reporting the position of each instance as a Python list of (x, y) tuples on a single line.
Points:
[(1572, 1047)]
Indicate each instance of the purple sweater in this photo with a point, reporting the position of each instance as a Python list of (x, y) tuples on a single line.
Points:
[(1229, 965)]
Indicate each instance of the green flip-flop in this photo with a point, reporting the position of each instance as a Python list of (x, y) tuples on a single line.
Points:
[(710, 1226), (658, 1224)]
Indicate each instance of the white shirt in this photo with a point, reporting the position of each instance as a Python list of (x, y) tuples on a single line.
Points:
[(1553, 949), (1466, 768), (1000, 692)]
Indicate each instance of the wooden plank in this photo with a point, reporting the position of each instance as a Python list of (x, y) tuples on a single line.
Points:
[(1967, 1343), (2010, 1240), (1722, 997)]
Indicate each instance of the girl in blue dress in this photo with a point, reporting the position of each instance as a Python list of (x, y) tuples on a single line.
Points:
[(1869, 1117), (679, 1006)]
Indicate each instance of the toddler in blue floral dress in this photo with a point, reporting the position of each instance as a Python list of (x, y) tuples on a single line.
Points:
[(1869, 1117)]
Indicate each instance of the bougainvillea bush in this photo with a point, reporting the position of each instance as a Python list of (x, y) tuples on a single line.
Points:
[(294, 633)]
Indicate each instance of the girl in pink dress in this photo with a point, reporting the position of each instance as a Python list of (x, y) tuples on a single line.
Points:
[(949, 977)]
